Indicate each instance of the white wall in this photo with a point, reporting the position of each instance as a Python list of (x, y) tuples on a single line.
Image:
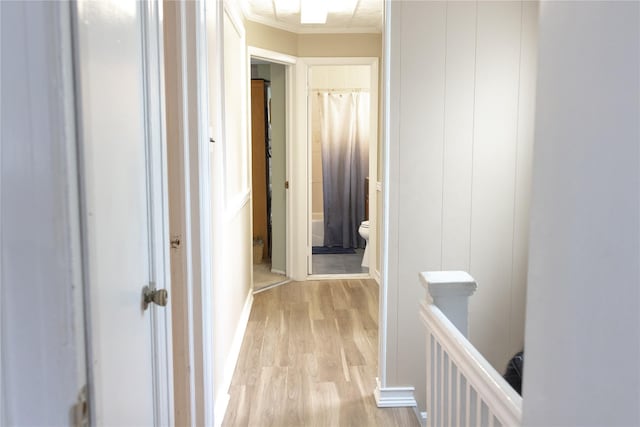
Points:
[(462, 110), (583, 301), (231, 230), (42, 365)]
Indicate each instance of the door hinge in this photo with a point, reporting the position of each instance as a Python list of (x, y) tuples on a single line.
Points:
[(286, 184), (175, 242), (81, 409)]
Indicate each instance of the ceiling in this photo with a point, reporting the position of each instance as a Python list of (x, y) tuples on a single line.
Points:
[(345, 16)]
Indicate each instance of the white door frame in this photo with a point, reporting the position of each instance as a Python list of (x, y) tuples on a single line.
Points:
[(162, 340), (302, 161), (289, 62), (193, 195)]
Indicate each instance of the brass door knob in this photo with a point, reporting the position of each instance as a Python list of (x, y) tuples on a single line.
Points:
[(156, 296)]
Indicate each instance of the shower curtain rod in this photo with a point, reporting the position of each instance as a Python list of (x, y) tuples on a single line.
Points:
[(346, 89)]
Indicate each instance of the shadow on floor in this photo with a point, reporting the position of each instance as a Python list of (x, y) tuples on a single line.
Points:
[(263, 277)]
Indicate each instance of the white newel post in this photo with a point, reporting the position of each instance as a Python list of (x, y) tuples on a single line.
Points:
[(450, 292)]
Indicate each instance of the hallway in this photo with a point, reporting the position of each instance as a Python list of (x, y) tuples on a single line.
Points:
[(309, 357)]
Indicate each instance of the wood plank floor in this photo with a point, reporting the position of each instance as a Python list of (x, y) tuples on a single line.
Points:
[(309, 358)]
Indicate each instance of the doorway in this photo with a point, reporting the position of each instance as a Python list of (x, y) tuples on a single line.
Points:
[(342, 140), (269, 132)]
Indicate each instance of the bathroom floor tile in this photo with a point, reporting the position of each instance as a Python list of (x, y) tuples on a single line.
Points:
[(338, 264)]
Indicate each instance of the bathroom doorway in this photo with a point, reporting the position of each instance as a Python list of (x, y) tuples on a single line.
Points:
[(342, 119)]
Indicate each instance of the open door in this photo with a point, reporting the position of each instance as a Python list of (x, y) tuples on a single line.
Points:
[(118, 56)]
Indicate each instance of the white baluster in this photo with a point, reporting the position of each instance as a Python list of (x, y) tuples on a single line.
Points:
[(467, 408), (449, 385), (430, 397)]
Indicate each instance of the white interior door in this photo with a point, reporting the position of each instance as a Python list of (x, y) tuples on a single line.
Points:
[(118, 57)]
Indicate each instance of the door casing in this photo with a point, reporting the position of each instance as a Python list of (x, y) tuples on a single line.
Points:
[(289, 62)]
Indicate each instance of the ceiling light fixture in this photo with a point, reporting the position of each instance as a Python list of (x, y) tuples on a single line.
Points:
[(313, 12), (285, 7)]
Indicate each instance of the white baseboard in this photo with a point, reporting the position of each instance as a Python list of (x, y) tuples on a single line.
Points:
[(232, 359), (273, 270), (376, 276), (421, 416), (394, 397), (220, 409)]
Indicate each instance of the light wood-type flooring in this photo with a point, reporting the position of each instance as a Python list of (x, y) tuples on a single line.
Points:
[(309, 358)]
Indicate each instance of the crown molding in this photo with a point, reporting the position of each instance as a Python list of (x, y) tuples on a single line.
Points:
[(307, 29)]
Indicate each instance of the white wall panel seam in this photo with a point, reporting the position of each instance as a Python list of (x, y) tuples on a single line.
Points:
[(444, 134), (473, 134), (397, 188), (515, 180)]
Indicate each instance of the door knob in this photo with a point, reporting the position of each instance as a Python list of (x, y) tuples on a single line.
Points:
[(156, 296)]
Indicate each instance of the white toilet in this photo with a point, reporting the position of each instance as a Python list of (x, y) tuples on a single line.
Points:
[(364, 233)]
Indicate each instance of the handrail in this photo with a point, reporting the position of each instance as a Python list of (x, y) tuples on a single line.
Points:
[(462, 387), (500, 398)]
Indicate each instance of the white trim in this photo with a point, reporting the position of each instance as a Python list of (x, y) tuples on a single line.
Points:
[(374, 120), (193, 196), (232, 359), (421, 416), (376, 276), (186, 205), (271, 56), (161, 330), (376, 271), (290, 129), (221, 408), (388, 229), (297, 197), (273, 270), (345, 276), (3, 419), (501, 399), (229, 9), (184, 183), (314, 29), (394, 397), (204, 214), (236, 205)]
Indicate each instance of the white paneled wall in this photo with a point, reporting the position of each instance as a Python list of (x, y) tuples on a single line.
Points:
[(420, 175), (231, 233), (495, 166), (466, 86)]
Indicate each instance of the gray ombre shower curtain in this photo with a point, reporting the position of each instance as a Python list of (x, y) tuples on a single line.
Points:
[(344, 133)]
